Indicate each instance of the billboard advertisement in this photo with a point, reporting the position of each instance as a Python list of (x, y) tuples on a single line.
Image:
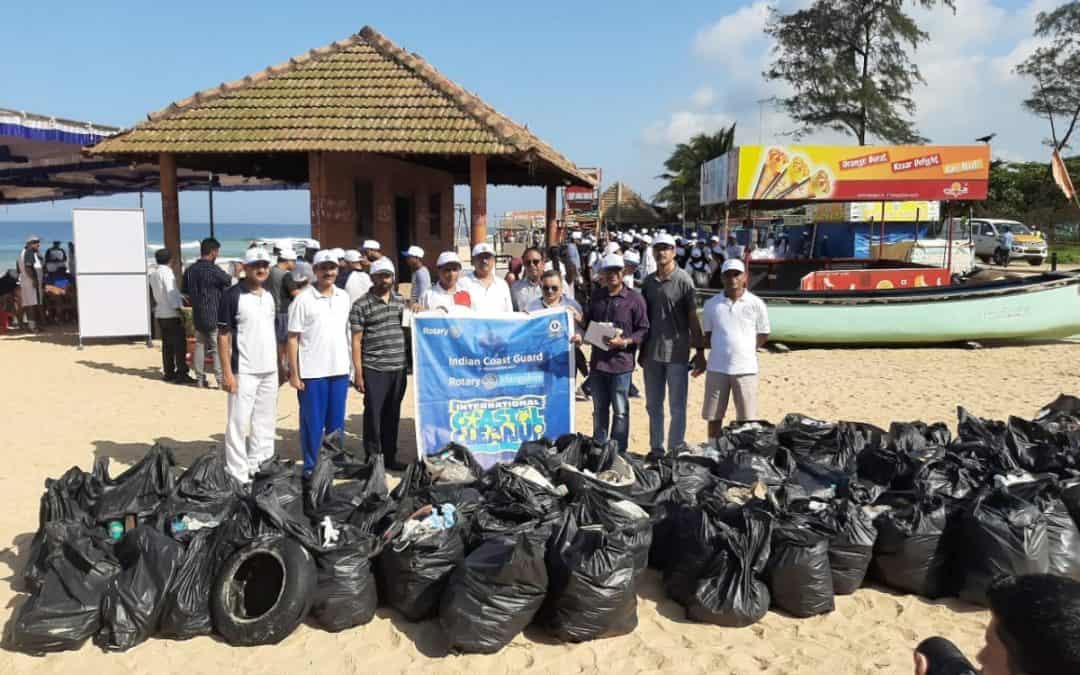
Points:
[(801, 173), (863, 212)]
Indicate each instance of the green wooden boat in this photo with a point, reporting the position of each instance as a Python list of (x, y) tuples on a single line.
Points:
[(1042, 306)]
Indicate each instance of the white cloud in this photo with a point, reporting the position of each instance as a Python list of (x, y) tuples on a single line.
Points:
[(729, 39), (703, 96), (683, 124)]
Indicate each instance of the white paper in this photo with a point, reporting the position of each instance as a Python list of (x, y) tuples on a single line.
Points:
[(406, 318), (597, 331)]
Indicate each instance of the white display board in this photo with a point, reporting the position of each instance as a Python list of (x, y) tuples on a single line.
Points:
[(110, 272)]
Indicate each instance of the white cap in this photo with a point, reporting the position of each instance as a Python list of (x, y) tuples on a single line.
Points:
[(414, 252), (286, 254), (32, 237), (481, 248), (371, 245), (733, 264), (610, 261), (324, 256), (647, 239), (352, 255), (381, 266), (338, 253), (448, 258), (576, 234), (627, 238), (631, 258), (664, 239), (715, 238), (611, 247), (695, 252), (256, 255)]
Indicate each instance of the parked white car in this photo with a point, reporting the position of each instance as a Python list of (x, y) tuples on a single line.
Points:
[(1027, 244)]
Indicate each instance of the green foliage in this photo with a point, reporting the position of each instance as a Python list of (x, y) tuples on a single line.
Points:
[(1055, 68), (1026, 192), (682, 171), (847, 62)]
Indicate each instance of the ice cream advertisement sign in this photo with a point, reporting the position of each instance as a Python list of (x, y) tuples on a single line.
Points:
[(858, 173)]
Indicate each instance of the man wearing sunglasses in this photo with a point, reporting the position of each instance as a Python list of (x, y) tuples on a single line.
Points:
[(527, 289)]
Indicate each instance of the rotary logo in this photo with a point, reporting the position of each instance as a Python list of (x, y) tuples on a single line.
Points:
[(554, 328)]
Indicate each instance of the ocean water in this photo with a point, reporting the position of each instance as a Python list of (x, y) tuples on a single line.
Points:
[(234, 237)]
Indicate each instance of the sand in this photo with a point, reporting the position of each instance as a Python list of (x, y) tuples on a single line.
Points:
[(65, 407)]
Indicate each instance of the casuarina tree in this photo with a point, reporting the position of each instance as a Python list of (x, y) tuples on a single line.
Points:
[(1055, 69), (847, 64)]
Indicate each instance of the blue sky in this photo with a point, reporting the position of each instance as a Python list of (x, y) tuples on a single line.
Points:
[(613, 84)]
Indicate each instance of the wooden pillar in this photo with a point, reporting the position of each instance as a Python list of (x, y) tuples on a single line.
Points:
[(551, 216), (170, 209), (315, 192), (478, 198)]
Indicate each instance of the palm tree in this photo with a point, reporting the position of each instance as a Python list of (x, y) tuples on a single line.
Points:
[(682, 174)]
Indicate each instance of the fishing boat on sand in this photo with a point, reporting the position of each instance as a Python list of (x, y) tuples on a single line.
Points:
[(1042, 306)]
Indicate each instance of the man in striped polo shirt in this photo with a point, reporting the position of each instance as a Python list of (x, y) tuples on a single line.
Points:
[(378, 348)]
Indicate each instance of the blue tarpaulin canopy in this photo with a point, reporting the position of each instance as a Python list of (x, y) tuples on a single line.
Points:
[(41, 160)]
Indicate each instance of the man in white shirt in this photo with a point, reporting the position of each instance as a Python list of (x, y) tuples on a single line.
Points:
[(733, 250), (359, 282), (447, 294), (247, 342), (527, 288), (552, 295), (420, 281), (735, 324), (648, 258), (319, 356), (167, 304), (631, 260), (488, 293)]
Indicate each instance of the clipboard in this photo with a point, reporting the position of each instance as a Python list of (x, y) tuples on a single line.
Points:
[(598, 331)]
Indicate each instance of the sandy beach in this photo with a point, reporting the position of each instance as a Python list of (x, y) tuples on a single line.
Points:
[(66, 407)]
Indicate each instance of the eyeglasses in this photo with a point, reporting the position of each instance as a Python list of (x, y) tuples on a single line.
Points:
[(533, 261), (551, 289)]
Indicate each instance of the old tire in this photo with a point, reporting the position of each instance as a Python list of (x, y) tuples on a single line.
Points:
[(263, 592)]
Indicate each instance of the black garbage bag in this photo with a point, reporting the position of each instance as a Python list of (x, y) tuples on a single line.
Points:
[(338, 499), (749, 467), (798, 572), (592, 593), (1003, 535), (584, 453), (1037, 449), (186, 611), (911, 553), (802, 434), (71, 497), (453, 463), (909, 446), (1060, 415), (648, 481), (695, 533), (370, 472), (986, 441), (345, 593), (616, 480), (730, 591), (620, 518), (413, 570), (687, 477), (205, 491), (951, 477), (132, 607), (852, 547), (139, 490), (1070, 496), (1062, 535), (520, 493), (495, 592), (754, 436), (275, 514), (439, 478), (65, 606), (542, 455), (818, 481)]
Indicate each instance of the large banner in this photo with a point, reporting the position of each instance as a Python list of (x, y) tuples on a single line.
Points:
[(492, 382), (858, 173)]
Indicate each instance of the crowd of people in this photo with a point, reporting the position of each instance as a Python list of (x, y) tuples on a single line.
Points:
[(42, 288), (333, 318)]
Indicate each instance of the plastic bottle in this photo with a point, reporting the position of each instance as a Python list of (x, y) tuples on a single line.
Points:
[(178, 526), (116, 530)]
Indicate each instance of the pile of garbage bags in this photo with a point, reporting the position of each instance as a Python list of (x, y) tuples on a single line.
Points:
[(780, 517)]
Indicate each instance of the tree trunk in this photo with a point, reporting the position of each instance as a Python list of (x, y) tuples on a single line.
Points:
[(863, 83)]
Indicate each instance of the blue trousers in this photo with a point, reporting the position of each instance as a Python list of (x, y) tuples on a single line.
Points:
[(610, 395), (322, 411), (673, 380)]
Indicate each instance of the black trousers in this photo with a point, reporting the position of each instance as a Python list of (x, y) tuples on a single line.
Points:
[(383, 393), (173, 348)]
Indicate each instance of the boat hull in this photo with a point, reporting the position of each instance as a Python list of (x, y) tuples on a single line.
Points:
[(1049, 309)]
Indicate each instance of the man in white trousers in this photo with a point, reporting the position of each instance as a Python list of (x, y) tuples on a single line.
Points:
[(248, 345)]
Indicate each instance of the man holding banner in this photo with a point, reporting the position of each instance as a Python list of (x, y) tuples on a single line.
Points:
[(447, 294), (623, 322), (378, 356)]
